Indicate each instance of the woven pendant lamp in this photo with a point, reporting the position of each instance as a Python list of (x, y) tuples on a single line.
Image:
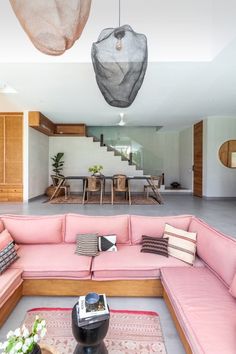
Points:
[(53, 26), (120, 61)]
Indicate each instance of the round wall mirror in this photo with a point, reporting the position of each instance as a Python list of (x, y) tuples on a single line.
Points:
[(227, 153)]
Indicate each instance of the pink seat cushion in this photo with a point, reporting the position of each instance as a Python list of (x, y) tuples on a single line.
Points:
[(215, 249), (154, 225), (204, 307), (102, 225), (9, 282), (35, 229), (1, 226), (232, 288), (5, 239), (129, 263), (52, 261)]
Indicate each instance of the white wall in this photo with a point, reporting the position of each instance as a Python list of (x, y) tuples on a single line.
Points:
[(81, 152), (38, 153), (167, 145), (219, 181), (186, 158)]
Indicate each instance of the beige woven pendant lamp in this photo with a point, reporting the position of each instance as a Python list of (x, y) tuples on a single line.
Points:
[(53, 26)]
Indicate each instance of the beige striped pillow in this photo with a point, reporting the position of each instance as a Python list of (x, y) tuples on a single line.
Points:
[(87, 245), (182, 244)]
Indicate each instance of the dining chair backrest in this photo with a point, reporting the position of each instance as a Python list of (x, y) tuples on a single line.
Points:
[(157, 180), (93, 184), (120, 183)]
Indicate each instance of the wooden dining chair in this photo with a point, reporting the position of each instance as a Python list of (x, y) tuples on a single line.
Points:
[(93, 184), (120, 183), (155, 181), (59, 183)]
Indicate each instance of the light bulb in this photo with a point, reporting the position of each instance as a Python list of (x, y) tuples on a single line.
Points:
[(119, 44)]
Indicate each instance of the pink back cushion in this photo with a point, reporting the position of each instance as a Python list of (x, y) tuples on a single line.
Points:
[(35, 229), (5, 239), (102, 225), (154, 226), (1, 226), (215, 249), (232, 288)]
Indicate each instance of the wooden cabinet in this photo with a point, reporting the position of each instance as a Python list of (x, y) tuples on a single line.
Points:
[(11, 156), (71, 129), (41, 123)]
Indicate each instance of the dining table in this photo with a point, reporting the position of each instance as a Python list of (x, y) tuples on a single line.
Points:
[(156, 193)]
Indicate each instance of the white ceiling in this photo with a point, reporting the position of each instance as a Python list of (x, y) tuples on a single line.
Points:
[(191, 72)]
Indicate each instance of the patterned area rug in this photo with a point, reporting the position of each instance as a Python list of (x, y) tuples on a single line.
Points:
[(94, 199), (130, 332)]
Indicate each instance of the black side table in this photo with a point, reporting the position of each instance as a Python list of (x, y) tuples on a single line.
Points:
[(90, 337)]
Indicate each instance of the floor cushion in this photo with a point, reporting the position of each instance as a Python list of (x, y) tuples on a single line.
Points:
[(204, 308), (129, 263), (9, 282), (52, 261)]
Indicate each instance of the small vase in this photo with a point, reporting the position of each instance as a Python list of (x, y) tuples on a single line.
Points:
[(36, 350)]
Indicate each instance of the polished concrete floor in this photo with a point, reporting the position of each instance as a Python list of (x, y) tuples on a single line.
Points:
[(219, 213)]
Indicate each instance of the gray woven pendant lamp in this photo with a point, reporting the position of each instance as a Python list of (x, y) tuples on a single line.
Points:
[(120, 61)]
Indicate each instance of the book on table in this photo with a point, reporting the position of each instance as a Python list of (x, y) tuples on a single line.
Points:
[(86, 316)]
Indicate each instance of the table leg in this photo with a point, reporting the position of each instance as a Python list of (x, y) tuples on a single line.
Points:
[(157, 194), (57, 189)]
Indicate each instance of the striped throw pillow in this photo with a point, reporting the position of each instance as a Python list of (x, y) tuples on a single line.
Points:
[(182, 244), (87, 245), (8, 255), (155, 245)]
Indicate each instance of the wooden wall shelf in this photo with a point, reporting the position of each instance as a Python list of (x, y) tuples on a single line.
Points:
[(41, 123)]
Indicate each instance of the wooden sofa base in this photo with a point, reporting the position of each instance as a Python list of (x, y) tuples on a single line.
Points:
[(61, 287), (177, 324), (10, 304)]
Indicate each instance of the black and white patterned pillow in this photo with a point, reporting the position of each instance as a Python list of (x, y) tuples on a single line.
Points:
[(87, 245), (107, 243), (8, 255)]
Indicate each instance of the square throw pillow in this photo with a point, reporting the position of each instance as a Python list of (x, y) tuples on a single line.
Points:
[(107, 243), (232, 288), (5, 239), (182, 244), (87, 245), (8, 255), (155, 245)]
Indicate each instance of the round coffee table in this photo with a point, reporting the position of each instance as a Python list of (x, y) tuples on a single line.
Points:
[(90, 337)]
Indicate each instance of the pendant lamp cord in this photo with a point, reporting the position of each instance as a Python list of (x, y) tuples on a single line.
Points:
[(119, 13)]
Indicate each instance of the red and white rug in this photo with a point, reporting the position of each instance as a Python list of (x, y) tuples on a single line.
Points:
[(130, 332)]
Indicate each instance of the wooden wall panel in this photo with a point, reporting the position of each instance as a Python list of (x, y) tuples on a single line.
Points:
[(13, 149), (11, 156), (198, 151), (2, 163)]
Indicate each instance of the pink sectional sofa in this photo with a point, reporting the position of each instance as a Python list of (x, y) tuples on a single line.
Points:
[(201, 298)]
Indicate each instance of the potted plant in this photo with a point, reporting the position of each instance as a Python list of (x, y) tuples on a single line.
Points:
[(58, 163), (57, 167), (23, 341), (96, 170)]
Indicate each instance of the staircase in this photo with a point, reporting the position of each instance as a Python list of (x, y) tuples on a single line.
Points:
[(83, 152), (116, 152)]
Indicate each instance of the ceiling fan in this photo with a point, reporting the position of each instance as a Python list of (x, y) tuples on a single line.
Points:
[(121, 123)]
